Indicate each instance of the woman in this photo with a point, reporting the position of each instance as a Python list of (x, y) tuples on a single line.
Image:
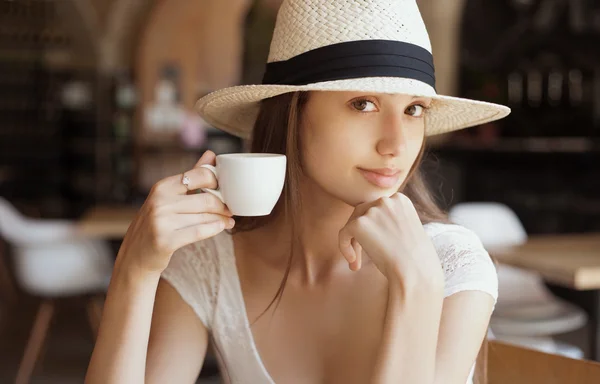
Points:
[(354, 277)]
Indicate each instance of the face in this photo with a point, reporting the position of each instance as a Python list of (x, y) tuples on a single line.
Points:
[(358, 147)]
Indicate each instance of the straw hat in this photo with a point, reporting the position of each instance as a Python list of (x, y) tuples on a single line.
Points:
[(379, 46)]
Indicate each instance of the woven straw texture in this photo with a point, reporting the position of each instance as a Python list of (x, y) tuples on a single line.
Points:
[(304, 25)]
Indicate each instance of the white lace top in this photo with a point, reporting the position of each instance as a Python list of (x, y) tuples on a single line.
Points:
[(205, 275)]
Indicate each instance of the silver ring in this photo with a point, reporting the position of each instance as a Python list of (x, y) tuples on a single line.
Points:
[(185, 181)]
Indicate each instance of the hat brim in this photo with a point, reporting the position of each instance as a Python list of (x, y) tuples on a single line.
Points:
[(234, 109)]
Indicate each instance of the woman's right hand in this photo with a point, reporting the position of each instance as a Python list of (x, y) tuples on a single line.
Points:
[(170, 218)]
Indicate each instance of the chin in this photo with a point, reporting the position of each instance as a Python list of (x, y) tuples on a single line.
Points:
[(367, 195)]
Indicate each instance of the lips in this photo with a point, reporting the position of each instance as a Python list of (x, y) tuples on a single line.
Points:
[(382, 177)]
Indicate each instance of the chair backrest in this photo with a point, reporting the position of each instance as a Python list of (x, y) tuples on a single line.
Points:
[(494, 223), (12, 223), (20, 230), (512, 364)]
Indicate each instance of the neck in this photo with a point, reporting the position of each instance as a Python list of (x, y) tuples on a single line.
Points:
[(316, 254)]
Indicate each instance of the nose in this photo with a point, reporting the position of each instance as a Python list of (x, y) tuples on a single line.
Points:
[(393, 139)]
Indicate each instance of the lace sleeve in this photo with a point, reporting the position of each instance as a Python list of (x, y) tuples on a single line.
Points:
[(193, 271), (466, 263)]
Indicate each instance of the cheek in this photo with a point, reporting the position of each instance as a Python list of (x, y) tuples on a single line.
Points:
[(415, 139), (327, 153), (330, 155), (414, 146)]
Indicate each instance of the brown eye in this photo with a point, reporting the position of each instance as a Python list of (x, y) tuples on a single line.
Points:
[(363, 105), (415, 110)]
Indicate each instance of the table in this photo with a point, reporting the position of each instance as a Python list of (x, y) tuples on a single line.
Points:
[(109, 222), (508, 363), (570, 261)]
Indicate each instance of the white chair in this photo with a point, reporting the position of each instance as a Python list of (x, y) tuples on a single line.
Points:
[(527, 313), (52, 261)]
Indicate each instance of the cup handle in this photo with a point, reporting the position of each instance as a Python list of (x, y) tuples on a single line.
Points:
[(215, 192)]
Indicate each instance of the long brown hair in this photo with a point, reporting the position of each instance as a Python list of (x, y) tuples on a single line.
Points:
[(271, 136)]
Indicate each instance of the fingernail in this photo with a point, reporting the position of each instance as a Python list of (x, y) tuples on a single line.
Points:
[(230, 223)]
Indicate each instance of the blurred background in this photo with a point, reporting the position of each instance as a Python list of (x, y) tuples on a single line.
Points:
[(96, 105)]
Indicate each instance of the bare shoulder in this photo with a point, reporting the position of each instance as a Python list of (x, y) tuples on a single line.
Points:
[(178, 339), (183, 312)]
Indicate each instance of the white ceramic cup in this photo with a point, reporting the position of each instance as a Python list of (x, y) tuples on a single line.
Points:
[(249, 183)]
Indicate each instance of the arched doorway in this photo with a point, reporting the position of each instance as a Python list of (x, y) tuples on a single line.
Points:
[(195, 46)]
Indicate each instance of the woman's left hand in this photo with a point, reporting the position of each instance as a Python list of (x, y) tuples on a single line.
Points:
[(391, 234)]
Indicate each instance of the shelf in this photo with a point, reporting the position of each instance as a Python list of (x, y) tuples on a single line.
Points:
[(170, 149), (524, 145)]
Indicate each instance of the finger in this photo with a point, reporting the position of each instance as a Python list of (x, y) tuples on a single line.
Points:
[(207, 157), (196, 233), (345, 236), (407, 205), (198, 177), (345, 243), (357, 263), (200, 203), (181, 221), (364, 233), (362, 208)]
